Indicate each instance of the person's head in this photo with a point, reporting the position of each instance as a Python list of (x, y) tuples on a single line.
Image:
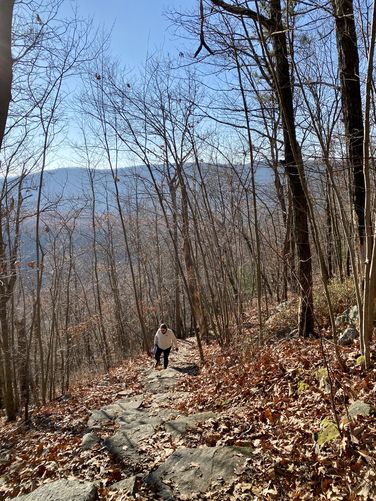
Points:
[(163, 327)]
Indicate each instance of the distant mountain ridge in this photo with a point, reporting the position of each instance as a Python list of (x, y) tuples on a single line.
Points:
[(67, 190), (68, 185)]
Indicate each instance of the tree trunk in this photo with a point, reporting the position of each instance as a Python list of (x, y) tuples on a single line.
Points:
[(6, 63), (6, 75), (294, 168), (193, 286), (366, 321), (329, 232), (98, 308), (178, 319), (8, 392), (351, 102)]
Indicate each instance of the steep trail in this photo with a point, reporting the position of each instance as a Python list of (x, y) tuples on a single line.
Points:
[(147, 436)]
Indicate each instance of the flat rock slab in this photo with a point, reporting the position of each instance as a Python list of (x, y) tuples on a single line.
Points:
[(182, 424), (136, 427), (139, 417), (62, 490), (165, 399), (125, 444), (189, 471), (161, 381), (111, 412)]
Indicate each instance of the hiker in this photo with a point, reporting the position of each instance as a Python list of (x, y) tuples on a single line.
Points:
[(164, 340)]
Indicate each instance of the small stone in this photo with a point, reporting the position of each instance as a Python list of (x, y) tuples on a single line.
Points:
[(4, 457), (328, 432), (359, 408), (128, 485), (89, 440), (124, 393), (348, 336)]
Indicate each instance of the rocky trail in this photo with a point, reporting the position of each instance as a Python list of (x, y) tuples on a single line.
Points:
[(148, 439), (252, 424)]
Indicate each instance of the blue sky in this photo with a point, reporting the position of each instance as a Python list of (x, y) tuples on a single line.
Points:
[(139, 27)]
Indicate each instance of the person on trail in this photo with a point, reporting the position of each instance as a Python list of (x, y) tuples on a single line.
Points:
[(164, 340)]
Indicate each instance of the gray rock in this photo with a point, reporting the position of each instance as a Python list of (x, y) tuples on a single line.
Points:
[(89, 440), (126, 442), (98, 418), (4, 457), (128, 485), (161, 381), (130, 403), (154, 416), (359, 408), (189, 471), (165, 399), (111, 412), (339, 320), (62, 490), (348, 336), (135, 428), (353, 314), (349, 316), (282, 306), (182, 424), (134, 417)]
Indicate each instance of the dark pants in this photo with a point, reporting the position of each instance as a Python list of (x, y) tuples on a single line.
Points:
[(158, 353)]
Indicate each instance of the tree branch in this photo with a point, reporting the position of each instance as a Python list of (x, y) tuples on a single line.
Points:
[(203, 43), (243, 11)]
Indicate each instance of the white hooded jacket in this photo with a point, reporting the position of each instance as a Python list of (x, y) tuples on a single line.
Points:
[(165, 340)]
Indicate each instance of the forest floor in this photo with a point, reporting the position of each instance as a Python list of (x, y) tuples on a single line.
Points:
[(289, 401)]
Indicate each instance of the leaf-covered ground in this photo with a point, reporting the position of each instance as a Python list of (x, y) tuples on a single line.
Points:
[(274, 399)]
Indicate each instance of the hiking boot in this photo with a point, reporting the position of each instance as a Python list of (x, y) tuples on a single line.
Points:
[(157, 364)]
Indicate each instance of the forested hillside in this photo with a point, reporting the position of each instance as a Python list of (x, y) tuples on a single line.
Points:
[(227, 189)]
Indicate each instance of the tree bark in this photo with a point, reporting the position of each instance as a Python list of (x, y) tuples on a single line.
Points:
[(178, 319), (351, 102), (6, 63), (8, 384), (194, 290), (366, 321), (294, 169)]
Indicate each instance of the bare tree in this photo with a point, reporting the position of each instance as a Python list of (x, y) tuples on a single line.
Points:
[(279, 70), (348, 57), (6, 16)]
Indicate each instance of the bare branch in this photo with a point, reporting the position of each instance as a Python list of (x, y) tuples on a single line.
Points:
[(243, 11), (203, 44)]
